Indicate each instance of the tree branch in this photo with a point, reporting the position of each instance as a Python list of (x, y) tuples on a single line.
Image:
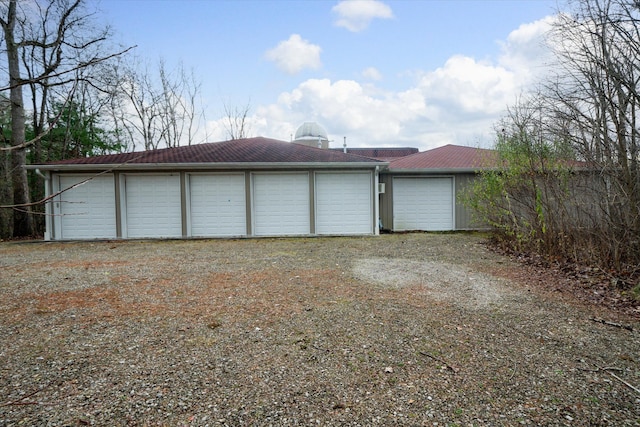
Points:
[(77, 184), (48, 130), (82, 65)]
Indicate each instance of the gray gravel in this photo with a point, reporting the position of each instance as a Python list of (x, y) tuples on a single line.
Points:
[(406, 329)]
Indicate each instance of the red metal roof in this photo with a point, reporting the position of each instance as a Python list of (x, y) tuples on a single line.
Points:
[(447, 157), (249, 150)]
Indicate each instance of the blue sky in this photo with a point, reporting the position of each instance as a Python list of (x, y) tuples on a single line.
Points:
[(382, 73)]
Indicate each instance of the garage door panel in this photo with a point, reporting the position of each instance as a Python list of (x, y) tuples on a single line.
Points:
[(281, 204), (87, 211), (153, 206), (343, 203), (423, 204), (218, 205)]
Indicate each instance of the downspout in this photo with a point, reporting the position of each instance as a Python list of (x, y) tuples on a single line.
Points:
[(40, 174), (376, 201), (48, 214)]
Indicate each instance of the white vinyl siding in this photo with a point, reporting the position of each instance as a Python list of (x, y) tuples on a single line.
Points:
[(280, 204), (153, 206), (423, 204), (344, 203), (87, 211), (217, 205)]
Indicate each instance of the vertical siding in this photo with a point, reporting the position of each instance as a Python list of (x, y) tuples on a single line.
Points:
[(386, 202), (468, 218), (465, 219)]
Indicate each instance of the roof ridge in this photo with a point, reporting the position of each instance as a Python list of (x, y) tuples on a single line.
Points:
[(260, 150)]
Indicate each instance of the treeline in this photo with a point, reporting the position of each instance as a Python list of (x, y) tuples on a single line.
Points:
[(566, 184), (69, 90)]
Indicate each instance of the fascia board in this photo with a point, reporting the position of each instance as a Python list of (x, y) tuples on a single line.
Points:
[(427, 171), (208, 166)]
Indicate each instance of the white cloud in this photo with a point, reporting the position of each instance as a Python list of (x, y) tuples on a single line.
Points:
[(371, 73), (525, 50), (356, 15), (295, 54), (456, 103), (347, 108), (422, 116), (469, 86)]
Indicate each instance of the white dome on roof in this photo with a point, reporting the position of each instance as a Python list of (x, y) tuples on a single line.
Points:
[(311, 131)]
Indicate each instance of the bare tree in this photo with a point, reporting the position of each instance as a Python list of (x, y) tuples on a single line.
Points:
[(178, 96), (236, 121), (139, 113), (49, 46), (156, 109), (6, 190), (528, 194), (568, 182), (596, 103), (22, 221)]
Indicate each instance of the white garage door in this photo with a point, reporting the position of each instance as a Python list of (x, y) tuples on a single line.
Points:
[(343, 203), (153, 206), (217, 205), (423, 204), (87, 211), (281, 204)]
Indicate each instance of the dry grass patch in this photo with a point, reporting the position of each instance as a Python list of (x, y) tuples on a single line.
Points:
[(411, 329)]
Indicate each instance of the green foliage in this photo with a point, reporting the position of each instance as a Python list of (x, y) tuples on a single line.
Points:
[(524, 197), (75, 132), (591, 108), (6, 190)]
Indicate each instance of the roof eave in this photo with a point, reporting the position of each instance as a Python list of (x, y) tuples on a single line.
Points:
[(435, 170), (207, 166)]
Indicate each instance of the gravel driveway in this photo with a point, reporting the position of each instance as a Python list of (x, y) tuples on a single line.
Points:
[(404, 329)]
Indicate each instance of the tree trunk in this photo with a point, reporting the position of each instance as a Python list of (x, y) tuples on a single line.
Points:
[(6, 196), (22, 220)]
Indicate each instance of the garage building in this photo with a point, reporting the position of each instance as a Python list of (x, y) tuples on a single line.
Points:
[(424, 191), (246, 187)]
